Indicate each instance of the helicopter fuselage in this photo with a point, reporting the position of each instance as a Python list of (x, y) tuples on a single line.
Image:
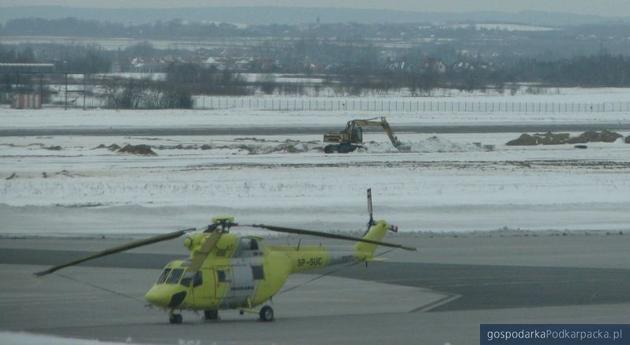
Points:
[(225, 271), (242, 272)]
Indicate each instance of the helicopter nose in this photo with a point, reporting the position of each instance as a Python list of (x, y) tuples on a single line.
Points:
[(157, 296)]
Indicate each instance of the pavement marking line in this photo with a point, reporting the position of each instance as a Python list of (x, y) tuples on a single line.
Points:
[(428, 307)]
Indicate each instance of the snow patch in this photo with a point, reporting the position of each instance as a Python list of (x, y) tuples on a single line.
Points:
[(13, 338), (432, 144)]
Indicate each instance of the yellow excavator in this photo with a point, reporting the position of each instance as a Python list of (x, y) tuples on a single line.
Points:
[(351, 137)]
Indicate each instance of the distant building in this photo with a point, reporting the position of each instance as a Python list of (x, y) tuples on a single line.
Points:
[(27, 91), (26, 101)]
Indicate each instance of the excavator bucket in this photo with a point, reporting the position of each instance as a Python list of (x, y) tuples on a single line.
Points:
[(404, 147)]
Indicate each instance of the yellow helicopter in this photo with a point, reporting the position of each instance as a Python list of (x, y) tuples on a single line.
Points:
[(226, 271)]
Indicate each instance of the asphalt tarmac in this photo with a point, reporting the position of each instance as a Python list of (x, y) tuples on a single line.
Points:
[(437, 296)]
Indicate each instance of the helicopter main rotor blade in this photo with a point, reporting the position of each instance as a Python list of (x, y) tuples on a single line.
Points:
[(118, 249), (329, 235), (200, 255)]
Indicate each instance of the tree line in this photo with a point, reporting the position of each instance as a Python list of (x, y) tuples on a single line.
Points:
[(348, 69)]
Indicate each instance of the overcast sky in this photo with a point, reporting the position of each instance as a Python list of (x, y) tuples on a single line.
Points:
[(597, 7)]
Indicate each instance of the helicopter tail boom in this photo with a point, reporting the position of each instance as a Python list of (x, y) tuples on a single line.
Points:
[(365, 251)]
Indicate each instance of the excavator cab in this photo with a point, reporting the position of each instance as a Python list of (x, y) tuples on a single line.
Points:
[(356, 133)]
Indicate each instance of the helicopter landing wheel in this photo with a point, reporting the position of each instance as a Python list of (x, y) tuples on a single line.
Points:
[(175, 319), (266, 314), (211, 315)]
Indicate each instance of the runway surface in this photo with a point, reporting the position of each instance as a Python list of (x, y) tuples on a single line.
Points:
[(439, 295)]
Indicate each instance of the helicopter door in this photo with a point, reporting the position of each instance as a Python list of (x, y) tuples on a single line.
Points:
[(242, 284), (204, 289), (201, 285)]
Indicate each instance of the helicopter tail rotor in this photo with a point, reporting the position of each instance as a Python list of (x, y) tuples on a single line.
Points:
[(370, 209)]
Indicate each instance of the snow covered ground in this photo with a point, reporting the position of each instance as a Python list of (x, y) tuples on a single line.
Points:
[(70, 185), (15, 338), (51, 118), (66, 185)]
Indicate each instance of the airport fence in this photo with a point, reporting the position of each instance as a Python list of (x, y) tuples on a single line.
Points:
[(413, 105), (371, 104)]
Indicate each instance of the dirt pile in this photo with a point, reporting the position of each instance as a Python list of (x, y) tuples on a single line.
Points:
[(540, 139), (288, 146), (524, 140), (564, 138), (144, 150), (112, 147), (595, 137)]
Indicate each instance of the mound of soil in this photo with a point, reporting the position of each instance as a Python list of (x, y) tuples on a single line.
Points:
[(594, 137), (554, 139), (525, 140), (538, 139), (112, 147), (564, 138), (144, 150)]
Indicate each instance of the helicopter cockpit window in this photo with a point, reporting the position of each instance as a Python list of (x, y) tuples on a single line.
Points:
[(163, 276), (189, 277), (175, 275)]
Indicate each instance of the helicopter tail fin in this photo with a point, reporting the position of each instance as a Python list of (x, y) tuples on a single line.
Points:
[(365, 251)]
